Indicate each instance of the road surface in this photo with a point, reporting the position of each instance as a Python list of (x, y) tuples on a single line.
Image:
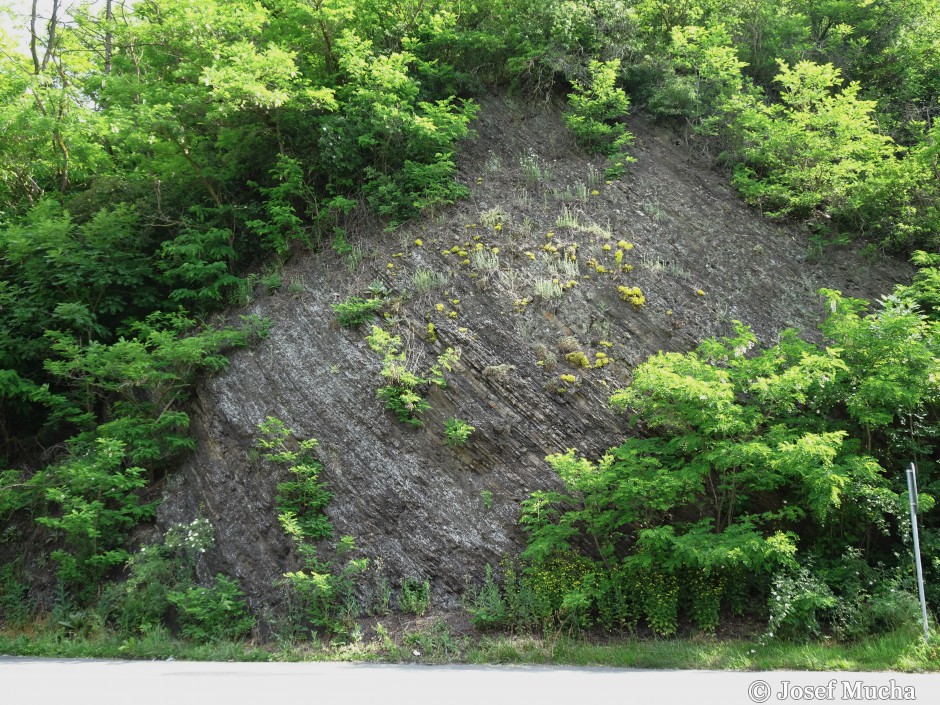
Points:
[(98, 682)]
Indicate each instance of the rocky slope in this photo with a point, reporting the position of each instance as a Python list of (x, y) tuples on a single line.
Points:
[(700, 258)]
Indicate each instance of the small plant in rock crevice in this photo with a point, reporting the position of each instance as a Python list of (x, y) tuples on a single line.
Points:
[(355, 311), (457, 432), (403, 395)]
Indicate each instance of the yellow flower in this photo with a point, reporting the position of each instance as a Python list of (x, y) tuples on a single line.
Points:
[(439, 307), (530, 255), (699, 292), (390, 266), (595, 192), (495, 250), (419, 242), (606, 247)]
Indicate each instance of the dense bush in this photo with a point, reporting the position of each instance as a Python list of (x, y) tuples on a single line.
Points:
[(756, 463)]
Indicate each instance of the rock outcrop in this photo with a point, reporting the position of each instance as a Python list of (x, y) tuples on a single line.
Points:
[(700, 257)]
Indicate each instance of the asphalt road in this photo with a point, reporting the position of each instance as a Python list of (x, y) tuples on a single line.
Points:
[(92, 682)]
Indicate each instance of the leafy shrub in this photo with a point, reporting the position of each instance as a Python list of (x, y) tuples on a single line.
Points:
[(15, 606), (799, 603), (819, 149), (404, 402), (435, 642), (141, 602), (741, 454), (596, 112), (415, 596), (596, 106), (213, 613), (325, 593), (301, 500), (457, 432), (402, 396), (355, 311), (322, 594)]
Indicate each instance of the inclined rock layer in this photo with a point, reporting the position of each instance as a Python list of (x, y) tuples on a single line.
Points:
[(415, 506)]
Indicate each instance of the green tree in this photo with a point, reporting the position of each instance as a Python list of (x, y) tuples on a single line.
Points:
[(817, 151)]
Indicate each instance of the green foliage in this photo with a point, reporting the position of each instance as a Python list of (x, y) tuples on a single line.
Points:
[(98, 503), (92, 498), (323, 593), (355, 311), (302, 500), (162, 578), (742, 455), (819, 149), (704, 81), (403, 395), (154, 369), (213, 613), (221, 134), (457, 432), (197, 264), (282, 224), (141, 602), (404, 402), (415, 596), (485, 604), (797, 604), (596, 112), (596, 107), (212, 138), (15, 605)]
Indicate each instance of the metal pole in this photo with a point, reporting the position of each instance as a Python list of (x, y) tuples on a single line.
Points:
[(912, 493)]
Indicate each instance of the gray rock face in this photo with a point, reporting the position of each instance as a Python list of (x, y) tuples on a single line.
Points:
[(425, 510)]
